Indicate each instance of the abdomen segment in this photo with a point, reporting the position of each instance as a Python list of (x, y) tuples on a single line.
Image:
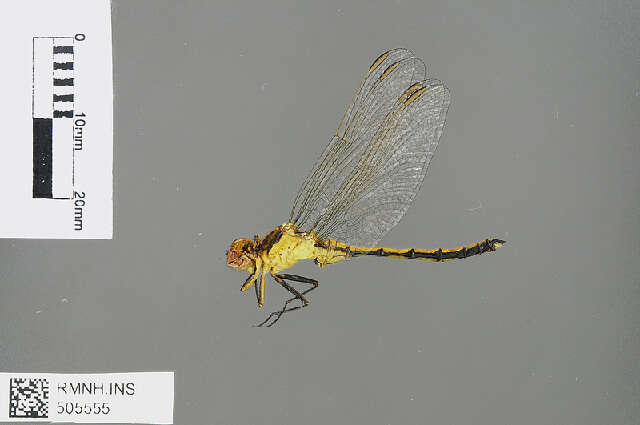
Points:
[(437, 255)]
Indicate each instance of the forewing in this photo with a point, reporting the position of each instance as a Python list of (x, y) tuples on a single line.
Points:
[(373, 167), (354, 131)]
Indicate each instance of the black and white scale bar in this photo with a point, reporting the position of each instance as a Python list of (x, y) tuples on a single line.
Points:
[(53, 103), (63, 65), (42, 150), (68, 48)]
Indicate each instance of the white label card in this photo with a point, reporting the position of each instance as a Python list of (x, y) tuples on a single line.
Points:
[(141, 397), (56, 149)]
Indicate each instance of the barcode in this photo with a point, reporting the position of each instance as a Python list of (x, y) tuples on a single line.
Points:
[(28, 398), (114, 398)]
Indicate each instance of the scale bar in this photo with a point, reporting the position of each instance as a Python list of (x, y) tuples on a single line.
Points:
[(53, 111), (63, 49), (62, 97), (42, 154)]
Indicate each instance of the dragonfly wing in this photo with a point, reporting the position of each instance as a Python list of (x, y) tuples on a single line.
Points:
[(370, 172)]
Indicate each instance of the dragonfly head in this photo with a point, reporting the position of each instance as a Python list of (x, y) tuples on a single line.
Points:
[(241, 255)]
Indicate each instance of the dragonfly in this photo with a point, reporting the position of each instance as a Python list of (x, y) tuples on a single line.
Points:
[(362, 184)]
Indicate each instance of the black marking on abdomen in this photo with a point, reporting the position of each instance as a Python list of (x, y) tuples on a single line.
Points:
[(435, 255), (346, 250)]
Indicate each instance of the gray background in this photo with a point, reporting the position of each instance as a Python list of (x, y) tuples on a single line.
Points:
[(221, 108)]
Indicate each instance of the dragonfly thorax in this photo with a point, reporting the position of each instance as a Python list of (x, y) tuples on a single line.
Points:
[(276, 251)]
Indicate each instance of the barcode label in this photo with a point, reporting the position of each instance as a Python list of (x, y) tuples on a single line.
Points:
[(56, 151), (28, 398), (141, 397)]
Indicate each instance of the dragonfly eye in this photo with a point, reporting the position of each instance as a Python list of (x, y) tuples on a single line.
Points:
[(239, 255)]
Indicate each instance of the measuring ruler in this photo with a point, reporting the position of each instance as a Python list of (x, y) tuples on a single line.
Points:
[(58, 182), (57, 132)]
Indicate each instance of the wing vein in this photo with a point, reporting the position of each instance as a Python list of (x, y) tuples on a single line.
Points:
[(369, 174)]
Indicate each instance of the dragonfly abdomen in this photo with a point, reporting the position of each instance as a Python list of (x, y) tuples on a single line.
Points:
[(437, 255)]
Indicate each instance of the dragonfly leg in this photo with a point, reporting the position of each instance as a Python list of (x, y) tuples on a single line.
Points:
[(252, 277), (257, 292), (297, 296), (262, 284), (297, 278), (250, 280)]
